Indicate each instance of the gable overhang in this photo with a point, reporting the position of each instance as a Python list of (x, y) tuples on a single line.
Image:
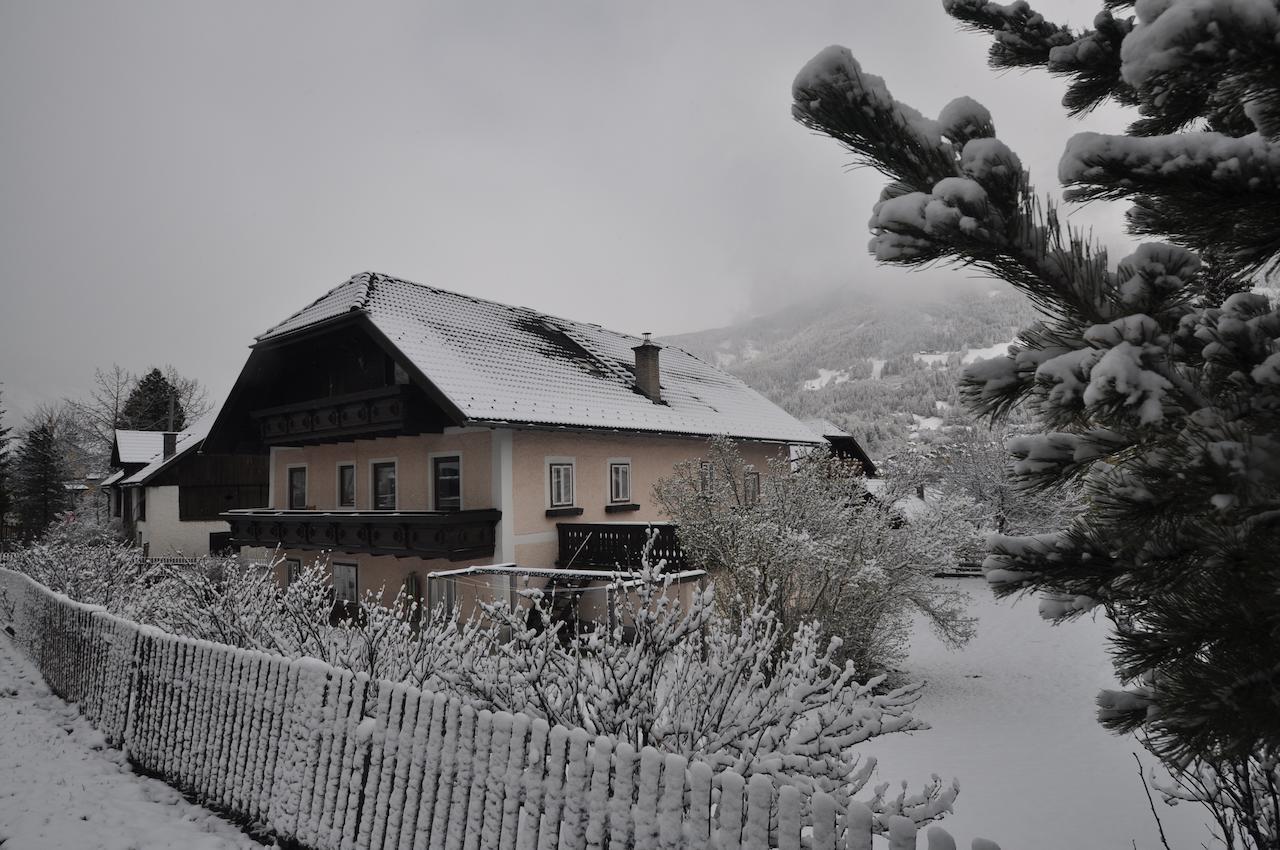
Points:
[(224, 434)]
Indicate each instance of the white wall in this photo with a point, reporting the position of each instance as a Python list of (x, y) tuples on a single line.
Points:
[(164, 534)]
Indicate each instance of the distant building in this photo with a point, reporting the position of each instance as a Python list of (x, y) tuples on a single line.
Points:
[(169, 496), (842, 443)]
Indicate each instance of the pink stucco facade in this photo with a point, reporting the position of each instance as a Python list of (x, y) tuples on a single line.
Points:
[(506, 469)]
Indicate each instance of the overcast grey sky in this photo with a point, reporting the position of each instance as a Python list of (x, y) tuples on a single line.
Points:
[(174, 177)]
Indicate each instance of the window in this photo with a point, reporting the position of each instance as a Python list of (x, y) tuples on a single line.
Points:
[(297, 488), (292, 566), (142, 504), (619, 482), (346, 485), (384, 486), (751, 487), (561, 485), (446, 475), (345, 587), (705, 477), (115, 502)]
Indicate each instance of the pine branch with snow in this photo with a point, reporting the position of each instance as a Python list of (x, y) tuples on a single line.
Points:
[(1154, 381)]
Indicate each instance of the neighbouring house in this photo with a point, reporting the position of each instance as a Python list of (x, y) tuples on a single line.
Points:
[(169, 496), (842, 444), (465, 449)]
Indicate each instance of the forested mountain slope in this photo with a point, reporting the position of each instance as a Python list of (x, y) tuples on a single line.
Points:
[(877, 363)]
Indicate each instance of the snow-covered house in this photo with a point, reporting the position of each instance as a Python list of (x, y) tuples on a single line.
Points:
[(169, 496), (414, 432)]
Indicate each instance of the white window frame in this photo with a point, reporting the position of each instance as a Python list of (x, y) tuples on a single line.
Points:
[(355, 485), (613, 462), (431, 479), (373, 483), (288, 486), (292, 567), (706, 477), (550, 464), (355, 573)]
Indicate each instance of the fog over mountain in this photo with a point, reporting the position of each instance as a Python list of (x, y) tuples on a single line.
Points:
[(879, 363)]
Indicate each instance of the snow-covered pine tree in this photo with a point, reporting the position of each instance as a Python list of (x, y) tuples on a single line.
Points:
[(1156, 380)]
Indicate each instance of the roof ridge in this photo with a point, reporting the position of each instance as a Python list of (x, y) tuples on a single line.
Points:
[(370, 279), (296, 313), (515, 308)]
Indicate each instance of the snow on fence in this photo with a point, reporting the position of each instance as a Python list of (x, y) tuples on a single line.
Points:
[(331, 759)]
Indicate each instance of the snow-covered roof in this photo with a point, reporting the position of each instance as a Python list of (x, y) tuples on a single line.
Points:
[(499, 364), (112, 478), (157, 462), (138, 446), (826, 428)]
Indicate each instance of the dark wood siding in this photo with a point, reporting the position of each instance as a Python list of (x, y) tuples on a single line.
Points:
[(206, 502), (210, 484)]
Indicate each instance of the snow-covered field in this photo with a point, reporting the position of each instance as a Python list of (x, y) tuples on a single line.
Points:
[(60, 787), (1013, 719)]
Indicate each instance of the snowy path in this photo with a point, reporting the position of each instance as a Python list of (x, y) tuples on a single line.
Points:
[(61, 788), (1013, 720)]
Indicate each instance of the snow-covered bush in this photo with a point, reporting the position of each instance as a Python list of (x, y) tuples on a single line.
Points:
[(815, 546), (966, 468), (696, 683), (749, 694), (1155, 381), (85, 561)]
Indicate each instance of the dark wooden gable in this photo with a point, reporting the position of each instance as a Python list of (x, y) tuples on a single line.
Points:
[(210, 484), (343, 381)]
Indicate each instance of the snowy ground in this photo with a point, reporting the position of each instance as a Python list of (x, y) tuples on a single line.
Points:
[(1013, 719), (61, 788)]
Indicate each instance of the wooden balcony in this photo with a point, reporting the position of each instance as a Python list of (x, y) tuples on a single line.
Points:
[(456, 535), (369, 413), (613, 545)]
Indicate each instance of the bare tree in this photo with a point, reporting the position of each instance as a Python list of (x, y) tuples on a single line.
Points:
[(102, 412)]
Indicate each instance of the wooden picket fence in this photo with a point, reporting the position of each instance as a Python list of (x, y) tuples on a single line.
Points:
[(331, 759)]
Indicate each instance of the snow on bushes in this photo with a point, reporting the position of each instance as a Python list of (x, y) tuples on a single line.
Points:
[(335, 759)]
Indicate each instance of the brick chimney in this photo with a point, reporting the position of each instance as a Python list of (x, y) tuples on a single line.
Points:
[(170, 444), (647, 374)]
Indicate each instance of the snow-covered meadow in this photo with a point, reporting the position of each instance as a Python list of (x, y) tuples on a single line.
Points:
[(1013, 719)]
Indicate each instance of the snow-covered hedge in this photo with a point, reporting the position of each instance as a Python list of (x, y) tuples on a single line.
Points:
[(334, 759)]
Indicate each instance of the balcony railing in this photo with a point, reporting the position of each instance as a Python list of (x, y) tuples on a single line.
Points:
[(333, 417), (455, 535), (612, 545)]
